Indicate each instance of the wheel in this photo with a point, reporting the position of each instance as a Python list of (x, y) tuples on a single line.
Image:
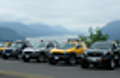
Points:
[(19, 57), (42, 58), (72, 60), (111, 65), (117, 61), (26, 59), (5, 57), (53, 62), (84, 65)]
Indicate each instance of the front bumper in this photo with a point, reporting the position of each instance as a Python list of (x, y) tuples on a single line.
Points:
[(8, 52), (61, 57), (1, 52), (95, 62), (30, 55)]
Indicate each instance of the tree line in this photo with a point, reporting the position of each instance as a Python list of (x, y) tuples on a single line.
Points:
[(94, 36)]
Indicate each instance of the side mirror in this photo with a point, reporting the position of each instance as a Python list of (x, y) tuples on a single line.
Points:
[(114, 47), (24, 46), (48, 47), (78, 46)]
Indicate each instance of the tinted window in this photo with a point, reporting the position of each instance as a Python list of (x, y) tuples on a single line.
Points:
[(1, 45), (102, 45), (66, 46), (17, 45)]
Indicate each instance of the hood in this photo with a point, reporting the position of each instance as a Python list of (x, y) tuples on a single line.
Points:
[(29, 49), (61, 50), (10, 48), (2, 48), (104, 51), (40, 49)]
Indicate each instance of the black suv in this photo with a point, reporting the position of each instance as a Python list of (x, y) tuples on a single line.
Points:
[(15, 50), (106, 54)]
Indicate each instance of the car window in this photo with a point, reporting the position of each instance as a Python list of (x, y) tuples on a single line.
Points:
[(102, 45), (1, 45), (17, 45), (66, 46), (50, 45), (114, 46), (79, 46)]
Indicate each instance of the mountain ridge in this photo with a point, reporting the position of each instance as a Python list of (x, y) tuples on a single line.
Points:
[(31, 30), (112, 29)]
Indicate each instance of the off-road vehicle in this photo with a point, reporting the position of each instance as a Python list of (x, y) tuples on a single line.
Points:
[(38, 51), (67, 52), (15, 50), (105, 54)]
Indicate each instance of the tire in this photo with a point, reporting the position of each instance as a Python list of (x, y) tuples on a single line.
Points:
[(26, 59), (5, 57), (72, 60), (53, 62), (42, 58), (84, 65), (19, 57), (117, 61), (111, 65)]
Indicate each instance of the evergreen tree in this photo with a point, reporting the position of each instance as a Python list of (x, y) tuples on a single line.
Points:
[(94, 36)]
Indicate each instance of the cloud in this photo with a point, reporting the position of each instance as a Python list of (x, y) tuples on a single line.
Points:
[(72, 14)]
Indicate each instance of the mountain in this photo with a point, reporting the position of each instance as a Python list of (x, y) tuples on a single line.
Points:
[(20, 28), (30, 30), (46, 30), (113, 29), (9, 34)]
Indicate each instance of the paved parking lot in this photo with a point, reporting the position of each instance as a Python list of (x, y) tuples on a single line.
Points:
[(48, 71)]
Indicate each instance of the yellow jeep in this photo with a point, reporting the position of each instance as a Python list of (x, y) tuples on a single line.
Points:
[(67, 52), (4, 46)]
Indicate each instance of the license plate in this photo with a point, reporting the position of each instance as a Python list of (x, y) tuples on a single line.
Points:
[(116, 57), (56, 57), (27, 56), (7, 54), (94, 59)]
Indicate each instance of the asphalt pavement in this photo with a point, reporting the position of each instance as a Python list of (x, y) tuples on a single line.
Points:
[(19, 69)]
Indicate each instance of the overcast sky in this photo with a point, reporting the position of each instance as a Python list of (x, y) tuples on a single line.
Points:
[(73, 14)]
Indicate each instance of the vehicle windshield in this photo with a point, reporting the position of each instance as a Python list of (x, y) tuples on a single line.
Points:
[(37, 44), (2, 45), (66, 46), (101, 45), (40, 45), (16, 45)]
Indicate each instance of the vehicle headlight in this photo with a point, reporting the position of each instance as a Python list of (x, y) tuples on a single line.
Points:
[(65, 52), (4, 51), (7, 51), (49, 54), (107, 55), (82, 55)]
